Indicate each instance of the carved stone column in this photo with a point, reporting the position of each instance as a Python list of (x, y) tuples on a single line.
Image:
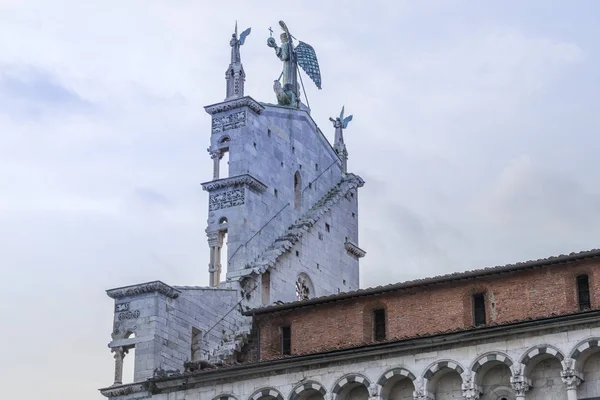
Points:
[(216, 157), (520, 385), (214, 265), (571, 378), (470, 390), (119, 356), (375, 392)]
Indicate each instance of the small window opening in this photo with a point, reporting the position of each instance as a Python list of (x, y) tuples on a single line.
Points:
[(353, 215), (297, 253), (286, 340), (318, 266), (254, 144), (379, 325), (583, 292), (268, 132), (196, 344), (293, 149), (316, 167), (479, 309), (310, 185), (282, 164), (275, 192), (352, 194), (224, 165), (223, 221), (299, 166), (344, 281), (297, 191), (266, 288), (327, 227)]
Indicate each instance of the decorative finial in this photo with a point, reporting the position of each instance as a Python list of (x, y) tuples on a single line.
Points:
[(235, 74), (286, 86)]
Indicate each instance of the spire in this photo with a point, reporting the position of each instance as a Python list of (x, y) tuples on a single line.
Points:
[(235, 75), (340, 123)]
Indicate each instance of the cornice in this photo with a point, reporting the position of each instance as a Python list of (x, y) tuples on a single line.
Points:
[(228, 105), (123, 390), (354, 249), (148, 287), (239, 180)]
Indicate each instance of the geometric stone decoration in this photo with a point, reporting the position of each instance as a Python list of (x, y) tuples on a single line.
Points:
[(228, 199), (229, 121)]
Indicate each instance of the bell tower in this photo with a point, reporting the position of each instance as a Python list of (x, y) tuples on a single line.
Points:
[(286, 211)]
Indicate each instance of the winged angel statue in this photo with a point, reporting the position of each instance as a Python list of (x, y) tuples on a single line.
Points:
[(235, 44), (286, 86)]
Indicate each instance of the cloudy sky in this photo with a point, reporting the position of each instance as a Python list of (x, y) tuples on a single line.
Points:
[(476, 128)]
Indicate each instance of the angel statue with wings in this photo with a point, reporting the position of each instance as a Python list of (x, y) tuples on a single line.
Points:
[(286, 86), (235, 44), (340, 123)]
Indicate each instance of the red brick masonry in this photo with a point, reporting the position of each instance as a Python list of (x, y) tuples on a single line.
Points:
[(523, 291)]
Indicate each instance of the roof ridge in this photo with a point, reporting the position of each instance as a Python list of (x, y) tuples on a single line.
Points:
[(437, 279)]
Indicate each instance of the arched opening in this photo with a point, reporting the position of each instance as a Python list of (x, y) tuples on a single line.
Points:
[(544, 371), (310, 390), (129, 361), (224, 164), (444, 380), (587, 359), (354, 391), (266, 394), (494, 377), (399, 386), (297, 191), (223, 251)]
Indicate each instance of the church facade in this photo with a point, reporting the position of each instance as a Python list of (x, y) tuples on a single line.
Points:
[(283, 316)]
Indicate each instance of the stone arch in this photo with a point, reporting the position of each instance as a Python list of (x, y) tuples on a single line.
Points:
[(266, 393), (540, 350), (349, 379), (432, 375), (225, 396), (224, 139), (304, 386), (491, 357), (583, 347), (438, 365), (391, 377)]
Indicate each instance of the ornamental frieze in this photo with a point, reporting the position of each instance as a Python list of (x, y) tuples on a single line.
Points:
[(230, 121), (227, 199), (239, 180)]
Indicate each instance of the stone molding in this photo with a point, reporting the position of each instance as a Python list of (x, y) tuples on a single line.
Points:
[(228, 105), (239, 180), (123, 390), (354, 249), (142, 288)]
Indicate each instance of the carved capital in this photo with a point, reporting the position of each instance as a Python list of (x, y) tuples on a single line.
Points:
[(374, 391), (571, 378), (216, 154), (520, 384)]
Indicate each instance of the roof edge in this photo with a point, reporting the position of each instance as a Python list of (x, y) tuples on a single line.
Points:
[(472, 274)]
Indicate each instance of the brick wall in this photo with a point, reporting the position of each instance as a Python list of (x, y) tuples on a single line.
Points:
[(426, 310)]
